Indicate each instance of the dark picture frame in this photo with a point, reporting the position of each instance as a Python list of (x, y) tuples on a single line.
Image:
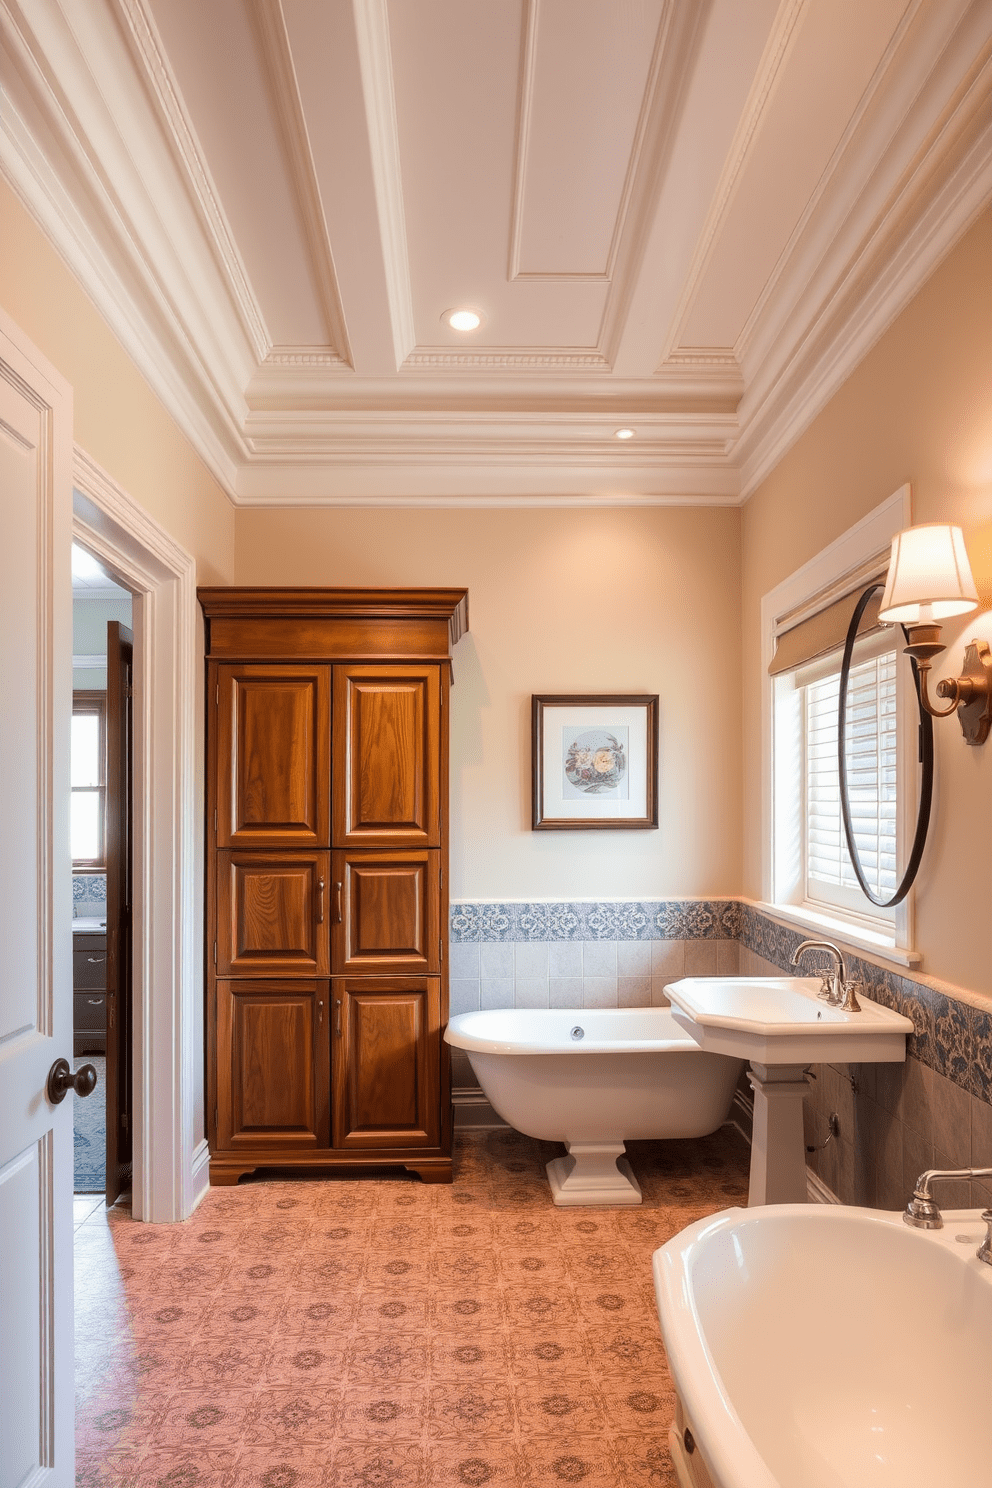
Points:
[(594, 762)]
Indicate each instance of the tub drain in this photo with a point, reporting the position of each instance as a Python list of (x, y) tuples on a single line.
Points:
[(578, 1032)]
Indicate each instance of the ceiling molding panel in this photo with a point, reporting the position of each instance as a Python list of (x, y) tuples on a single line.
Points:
[(139, 27), (686, 218), (584, 79), (277, 58), (776, 54)]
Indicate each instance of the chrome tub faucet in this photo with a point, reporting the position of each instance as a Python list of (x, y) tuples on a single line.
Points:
[(922, 1213), (836, 989)]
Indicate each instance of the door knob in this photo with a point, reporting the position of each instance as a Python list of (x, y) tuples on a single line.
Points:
[(61, 1080)]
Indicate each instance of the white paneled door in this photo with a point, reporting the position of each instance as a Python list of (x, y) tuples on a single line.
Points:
[(36, 1336)]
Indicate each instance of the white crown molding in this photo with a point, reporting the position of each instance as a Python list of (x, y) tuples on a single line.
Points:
[(303, 356), (146, 43), (277, 62), (216, 440), (592, 361), (844, 287), (375, 62)]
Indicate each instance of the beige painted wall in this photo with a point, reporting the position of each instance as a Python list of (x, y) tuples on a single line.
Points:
[(117, 419), (642, 600), (918, 409)]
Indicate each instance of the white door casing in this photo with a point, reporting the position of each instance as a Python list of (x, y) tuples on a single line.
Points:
[(36, 1142), (170, 1152)]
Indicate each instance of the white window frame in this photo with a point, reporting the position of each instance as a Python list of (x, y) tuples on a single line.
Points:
[(855, 550)]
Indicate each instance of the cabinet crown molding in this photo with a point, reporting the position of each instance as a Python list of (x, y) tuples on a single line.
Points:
[(235, 603)]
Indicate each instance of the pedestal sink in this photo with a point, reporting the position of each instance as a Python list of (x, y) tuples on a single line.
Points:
[(781, 1025)]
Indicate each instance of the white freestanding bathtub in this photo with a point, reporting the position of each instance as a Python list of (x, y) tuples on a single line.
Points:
[(594, 1078), (817, 1346)]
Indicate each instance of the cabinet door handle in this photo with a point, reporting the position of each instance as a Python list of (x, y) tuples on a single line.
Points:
[(320, 901), (338, 916), (320, 1013), (96, 960), (337, 1016)]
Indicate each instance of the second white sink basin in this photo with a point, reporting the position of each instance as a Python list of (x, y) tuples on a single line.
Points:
[(781, 1020)]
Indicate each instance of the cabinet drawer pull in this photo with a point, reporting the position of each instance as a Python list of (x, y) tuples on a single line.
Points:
[(337, 1018), (337, 903), (95, 1001), (320, 901), (96, 960)]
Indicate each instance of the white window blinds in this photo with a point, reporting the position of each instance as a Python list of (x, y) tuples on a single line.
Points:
[(872, 781)]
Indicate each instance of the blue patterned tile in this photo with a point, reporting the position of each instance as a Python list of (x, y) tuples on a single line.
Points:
[(565, 921), (981, 1065), (953, 1041)]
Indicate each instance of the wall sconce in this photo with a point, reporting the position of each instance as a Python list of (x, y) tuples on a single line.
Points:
[(930, 580)]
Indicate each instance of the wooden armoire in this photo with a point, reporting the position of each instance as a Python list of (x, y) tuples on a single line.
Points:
[(327, 846)]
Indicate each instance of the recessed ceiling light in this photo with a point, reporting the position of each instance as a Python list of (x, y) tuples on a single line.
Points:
[(624, 433), (463, 319)]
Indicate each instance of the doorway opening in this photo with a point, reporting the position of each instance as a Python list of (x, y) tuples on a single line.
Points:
[(101, 772)]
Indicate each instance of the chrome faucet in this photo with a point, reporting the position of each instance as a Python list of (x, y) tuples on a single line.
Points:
[(836, 989), (922, 1213)]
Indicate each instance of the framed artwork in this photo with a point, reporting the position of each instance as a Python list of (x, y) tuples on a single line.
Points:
[(595, 761)]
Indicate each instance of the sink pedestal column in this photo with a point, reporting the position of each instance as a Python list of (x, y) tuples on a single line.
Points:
[(778, 1146)]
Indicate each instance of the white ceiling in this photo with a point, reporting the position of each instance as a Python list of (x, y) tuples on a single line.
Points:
[(688, 217)]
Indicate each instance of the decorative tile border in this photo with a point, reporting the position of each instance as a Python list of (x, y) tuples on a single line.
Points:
[(650, 919), (89, 894), (952, 1037)]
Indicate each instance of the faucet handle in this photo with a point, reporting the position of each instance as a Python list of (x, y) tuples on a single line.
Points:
[(984, 1251)]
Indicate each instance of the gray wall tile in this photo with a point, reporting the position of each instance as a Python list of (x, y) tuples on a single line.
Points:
[(531, 992), (464, 961), (464, 995), (634, 991), (565, 958), (497, 992), (497, 959), (599, 992), (565, 992), (530, 959), (634, 958), (599, 958)]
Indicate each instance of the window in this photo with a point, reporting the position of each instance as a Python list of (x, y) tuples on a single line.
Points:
[(88, 780), (808, 876), (806, 701)]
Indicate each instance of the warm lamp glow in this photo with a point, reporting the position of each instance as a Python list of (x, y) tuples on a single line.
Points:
[(623, 434), (929, 576)]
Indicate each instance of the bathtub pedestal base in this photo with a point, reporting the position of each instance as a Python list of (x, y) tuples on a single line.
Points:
[(778, 1147), (593, 1173)]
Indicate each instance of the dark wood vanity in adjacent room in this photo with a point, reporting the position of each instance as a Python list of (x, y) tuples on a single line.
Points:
[(326, 883), (89, 991)]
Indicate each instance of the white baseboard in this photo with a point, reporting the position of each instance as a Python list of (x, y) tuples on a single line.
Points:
[(200, 1184), (472, 1111), (817, 1191)]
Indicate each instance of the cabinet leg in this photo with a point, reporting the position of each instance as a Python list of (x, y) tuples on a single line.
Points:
[(226, 1176), (431, 1172)]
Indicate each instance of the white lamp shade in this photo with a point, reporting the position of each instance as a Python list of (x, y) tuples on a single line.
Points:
[(929, 567)]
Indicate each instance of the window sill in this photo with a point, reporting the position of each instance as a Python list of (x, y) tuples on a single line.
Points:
[(856, 936)]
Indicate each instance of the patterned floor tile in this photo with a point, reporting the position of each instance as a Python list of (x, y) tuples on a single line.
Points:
[(382, 1333)]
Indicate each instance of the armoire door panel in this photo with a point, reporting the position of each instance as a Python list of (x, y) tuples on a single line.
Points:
[(389, 913), (273, 915), (272, 1064), (386, 783), (386, 1041), (273, 756)]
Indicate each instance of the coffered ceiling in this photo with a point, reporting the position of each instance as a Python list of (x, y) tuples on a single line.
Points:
[(687, 218)]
